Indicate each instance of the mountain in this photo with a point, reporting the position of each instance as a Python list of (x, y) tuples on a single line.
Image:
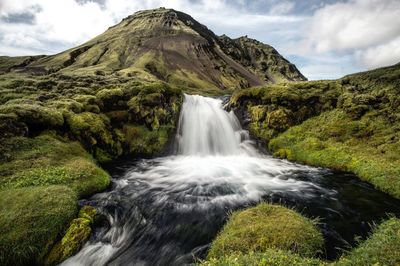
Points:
[(168, 45)]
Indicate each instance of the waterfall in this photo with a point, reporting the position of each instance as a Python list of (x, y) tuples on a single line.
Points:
[(157, 201), (205, 128)]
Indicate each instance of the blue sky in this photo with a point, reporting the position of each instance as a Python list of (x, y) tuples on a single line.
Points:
[(325, 38)]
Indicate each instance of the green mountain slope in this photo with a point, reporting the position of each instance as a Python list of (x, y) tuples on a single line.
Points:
[(167, 45)]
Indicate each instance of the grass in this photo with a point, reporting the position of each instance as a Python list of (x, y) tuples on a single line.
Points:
[(267, 227), (350, 124), (243, 243), (269, 257), (31, 219), (46, 160), (381, 248), (41, 179), (367, 147)]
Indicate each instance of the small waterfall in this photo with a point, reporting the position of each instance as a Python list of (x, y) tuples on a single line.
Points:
[(164, 211), (205, 128)]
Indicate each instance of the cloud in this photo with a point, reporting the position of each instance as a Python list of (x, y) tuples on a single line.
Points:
[(365, 28), (283, 7), (381, 55)]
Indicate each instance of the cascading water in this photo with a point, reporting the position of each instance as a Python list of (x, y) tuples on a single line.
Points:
[(205, 129), (166, 211)]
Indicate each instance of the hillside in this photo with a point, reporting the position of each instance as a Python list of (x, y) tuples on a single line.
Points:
[(170, 46)]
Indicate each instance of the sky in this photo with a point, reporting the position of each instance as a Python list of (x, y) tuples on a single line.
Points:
[(325, 39)]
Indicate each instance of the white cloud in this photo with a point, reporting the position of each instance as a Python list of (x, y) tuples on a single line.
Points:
[(366, 29), (381, 55), (283, 7)]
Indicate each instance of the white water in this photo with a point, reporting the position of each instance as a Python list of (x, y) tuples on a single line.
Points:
[(205, 129), (217, 165)]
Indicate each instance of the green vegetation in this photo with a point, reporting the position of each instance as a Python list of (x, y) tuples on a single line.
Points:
[(41, 179), (31, 219), (381, 248), (351, 124), (367, 147), (269, 257), (77, 233), (47, 160), (266, 227), (53, 129), (251, 238)]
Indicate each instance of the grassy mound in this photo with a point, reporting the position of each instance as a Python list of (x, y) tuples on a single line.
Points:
[(266, 227), (31, 219)]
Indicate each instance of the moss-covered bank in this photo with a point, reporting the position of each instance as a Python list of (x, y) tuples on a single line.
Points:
[(249, 240), (351, 124), (41, 179), (53, 131)]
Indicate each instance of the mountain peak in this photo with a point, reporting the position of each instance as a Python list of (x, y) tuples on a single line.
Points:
[(171, 46)]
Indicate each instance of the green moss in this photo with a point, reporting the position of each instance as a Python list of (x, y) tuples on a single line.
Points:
[(30, 221), (102, 156), (368, 147), (112, 98), (93, 130), (35, 115), (88, 212), (267, 227), (269, 257), (76, 235), (381, 248), (142, 141), (45, 160)]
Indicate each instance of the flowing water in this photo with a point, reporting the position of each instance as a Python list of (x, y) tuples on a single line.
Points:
[(166, 211)]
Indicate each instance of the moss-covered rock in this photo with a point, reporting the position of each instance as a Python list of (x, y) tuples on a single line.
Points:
[(112, 98), (280, 119), (93, 131), (267, 227), (142, 141), (11, 126), (36, 116), (75, 236), (88, 212)]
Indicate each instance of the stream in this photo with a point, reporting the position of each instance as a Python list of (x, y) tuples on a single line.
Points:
[(167, 210)]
